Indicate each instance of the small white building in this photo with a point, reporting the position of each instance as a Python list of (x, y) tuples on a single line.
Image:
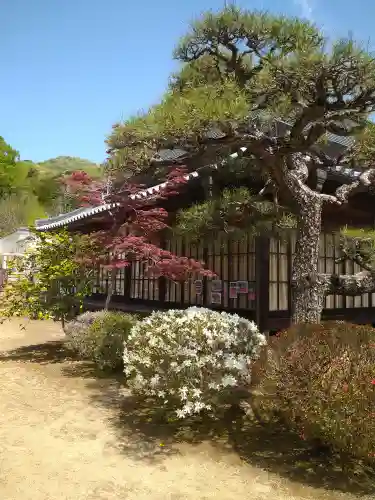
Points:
[(14, 245)]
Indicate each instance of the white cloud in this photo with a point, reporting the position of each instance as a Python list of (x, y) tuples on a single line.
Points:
[(306, 8)]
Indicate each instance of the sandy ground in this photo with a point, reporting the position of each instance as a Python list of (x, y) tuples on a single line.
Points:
[(65, 435)]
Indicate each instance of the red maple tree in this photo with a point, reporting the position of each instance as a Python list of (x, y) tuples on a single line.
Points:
[(136, 226)]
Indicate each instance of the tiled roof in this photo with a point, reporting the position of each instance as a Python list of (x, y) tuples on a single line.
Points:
[(281, 126), (173, 154), (64, 219), (85, 213)]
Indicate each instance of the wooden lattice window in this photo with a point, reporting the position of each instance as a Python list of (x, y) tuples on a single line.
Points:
[(189, 295), (174, 289), (184, 293), (328, 253), (279, 275), (233, 261), (120, 277), (143, 286), (364, 300), (102, 281), (280, 270), (104, 278)]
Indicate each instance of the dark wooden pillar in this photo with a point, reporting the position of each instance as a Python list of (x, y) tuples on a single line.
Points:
[(290, 268), (262, 275), (162, 289), (205, 302), (162, 285), (208, 184), (127, 282)]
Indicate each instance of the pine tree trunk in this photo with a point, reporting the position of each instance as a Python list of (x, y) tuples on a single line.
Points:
[(110, 289), (308, 289)]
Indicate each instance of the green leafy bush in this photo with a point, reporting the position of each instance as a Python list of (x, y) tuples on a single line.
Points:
[(320, 380), (192, 360), (49, 281), (99, 336)]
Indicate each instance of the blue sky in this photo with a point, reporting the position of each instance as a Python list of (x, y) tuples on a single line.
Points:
[(72, 68)]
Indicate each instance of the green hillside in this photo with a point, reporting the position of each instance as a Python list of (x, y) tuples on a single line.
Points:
[(45, 182), (63, 164), (30, 190)]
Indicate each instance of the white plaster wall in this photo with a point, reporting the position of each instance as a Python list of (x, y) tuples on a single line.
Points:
[(14, 244)]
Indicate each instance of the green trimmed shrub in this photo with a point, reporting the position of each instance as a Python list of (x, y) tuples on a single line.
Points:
[(320, 381), (99, 336)]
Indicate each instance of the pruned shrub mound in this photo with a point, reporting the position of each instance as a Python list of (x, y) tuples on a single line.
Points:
[(192, 360), (320, 380), (99, 337), (81, 322)]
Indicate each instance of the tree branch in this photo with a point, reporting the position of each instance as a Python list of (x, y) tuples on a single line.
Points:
[(365, 180), (354, 249), (350, 284), (294, 180), (357, 259)]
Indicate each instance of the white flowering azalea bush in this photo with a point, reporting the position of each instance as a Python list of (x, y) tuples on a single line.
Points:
[(192, 359)]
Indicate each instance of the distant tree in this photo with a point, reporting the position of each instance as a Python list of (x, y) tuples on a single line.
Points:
[(25, 180), (8, 170), (242, 70), (18, 210), (49, 188), (65, 164), (52, 194)]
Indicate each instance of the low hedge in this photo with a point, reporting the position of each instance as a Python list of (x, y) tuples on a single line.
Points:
[(320, 380), (99, 336)]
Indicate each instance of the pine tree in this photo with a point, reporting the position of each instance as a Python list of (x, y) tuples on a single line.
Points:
[(241, 72)]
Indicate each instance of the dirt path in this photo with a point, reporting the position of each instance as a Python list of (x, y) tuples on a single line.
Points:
[(58, 439)]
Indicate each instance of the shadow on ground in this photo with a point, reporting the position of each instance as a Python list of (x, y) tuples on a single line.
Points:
[(142, 433), (145, 434), (47, 352)]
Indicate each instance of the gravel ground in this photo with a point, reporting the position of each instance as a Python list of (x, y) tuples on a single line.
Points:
[(61, 439)]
